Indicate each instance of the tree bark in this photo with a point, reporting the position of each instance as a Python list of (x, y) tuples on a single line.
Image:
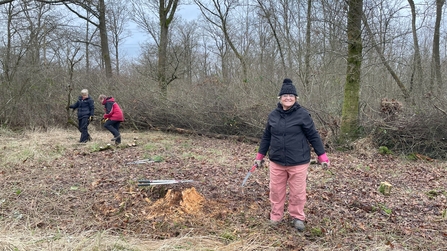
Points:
[(417, 75), (350, 110), (436, 76), (5, 2), (166, 14), (104, 39), (307, 55), (100, 14)]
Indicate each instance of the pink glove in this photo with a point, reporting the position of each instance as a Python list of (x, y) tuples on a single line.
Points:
[(259, 159), (324, 159)]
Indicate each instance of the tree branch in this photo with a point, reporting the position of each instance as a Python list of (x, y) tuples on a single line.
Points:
[(6, 1), (445, 113)]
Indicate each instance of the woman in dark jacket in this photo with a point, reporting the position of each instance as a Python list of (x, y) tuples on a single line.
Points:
[(113, 117), (286, 137), (86, 110)]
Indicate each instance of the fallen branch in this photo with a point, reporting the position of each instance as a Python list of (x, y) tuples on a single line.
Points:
[(445, 113)]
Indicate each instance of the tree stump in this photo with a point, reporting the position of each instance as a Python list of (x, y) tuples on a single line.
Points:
[(385, 188)]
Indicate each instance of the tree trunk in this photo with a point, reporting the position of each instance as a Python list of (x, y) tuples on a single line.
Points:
[(166, 14), (100, 14), (104, 39), (6, 64), (307, 55), (162, 52), (161, 66), (436, 61), (350, 110), (417, 75), (235, 51)]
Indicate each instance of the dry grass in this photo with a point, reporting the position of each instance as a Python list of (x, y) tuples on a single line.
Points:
[(40, 146), (343, 203), (102, 241), (44, 146)]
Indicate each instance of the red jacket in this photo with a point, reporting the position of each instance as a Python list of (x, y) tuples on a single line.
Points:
[(112, 110)]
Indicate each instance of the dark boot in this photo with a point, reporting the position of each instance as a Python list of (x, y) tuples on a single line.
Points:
[(298, 224)]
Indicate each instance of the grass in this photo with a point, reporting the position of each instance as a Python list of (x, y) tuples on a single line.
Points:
[(335, 222), (44, 146), (101, 241)]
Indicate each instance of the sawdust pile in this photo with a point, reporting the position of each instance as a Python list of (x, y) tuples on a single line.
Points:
[(192, 201), (176, 203)]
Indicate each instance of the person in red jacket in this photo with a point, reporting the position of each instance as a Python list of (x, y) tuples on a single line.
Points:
[(112, 117)]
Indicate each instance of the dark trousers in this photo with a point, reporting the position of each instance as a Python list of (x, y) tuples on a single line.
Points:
[(83, 128), (114, 127)]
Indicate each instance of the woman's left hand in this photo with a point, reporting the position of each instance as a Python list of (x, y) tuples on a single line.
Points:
[(324, 159)]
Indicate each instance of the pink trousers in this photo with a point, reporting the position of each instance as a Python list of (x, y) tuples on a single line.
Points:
[(295, 177)]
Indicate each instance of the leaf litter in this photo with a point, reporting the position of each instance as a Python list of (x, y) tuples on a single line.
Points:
[(344, 210)]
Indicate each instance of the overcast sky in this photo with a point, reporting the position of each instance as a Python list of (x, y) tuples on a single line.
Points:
[(131, 46)]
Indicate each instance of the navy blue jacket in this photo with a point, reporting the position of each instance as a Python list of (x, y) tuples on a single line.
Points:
[(86, 107), (287, 136)]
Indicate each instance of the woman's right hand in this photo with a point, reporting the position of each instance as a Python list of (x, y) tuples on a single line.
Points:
[(259, 160)]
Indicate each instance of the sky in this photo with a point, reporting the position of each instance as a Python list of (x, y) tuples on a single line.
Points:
[(131, 47)]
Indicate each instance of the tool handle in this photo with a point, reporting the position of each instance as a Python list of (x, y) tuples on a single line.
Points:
[(253, 168), (154, 181), (163, 182)]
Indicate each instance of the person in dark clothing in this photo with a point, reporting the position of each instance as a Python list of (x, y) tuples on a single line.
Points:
[(86, 110), (113, 117), (286, 137)]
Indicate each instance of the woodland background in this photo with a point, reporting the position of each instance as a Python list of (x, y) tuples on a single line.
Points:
[(222, 72), (371, 73)]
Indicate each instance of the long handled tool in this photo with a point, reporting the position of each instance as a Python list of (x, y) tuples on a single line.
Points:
[(161, 182), (142, 161), (252, 169)]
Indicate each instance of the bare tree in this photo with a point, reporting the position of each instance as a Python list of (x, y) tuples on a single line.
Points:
[(350, 112), (307, 68), (11, 58), (379, 51), (417, 72), (28, 25), (24, 60), (72, 61), (185, 48), (222, 50), (100, 14), (436, 76), (5, 2), (270, 15), (118, 17), (165, 11), (96, 10), (218, 15)]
